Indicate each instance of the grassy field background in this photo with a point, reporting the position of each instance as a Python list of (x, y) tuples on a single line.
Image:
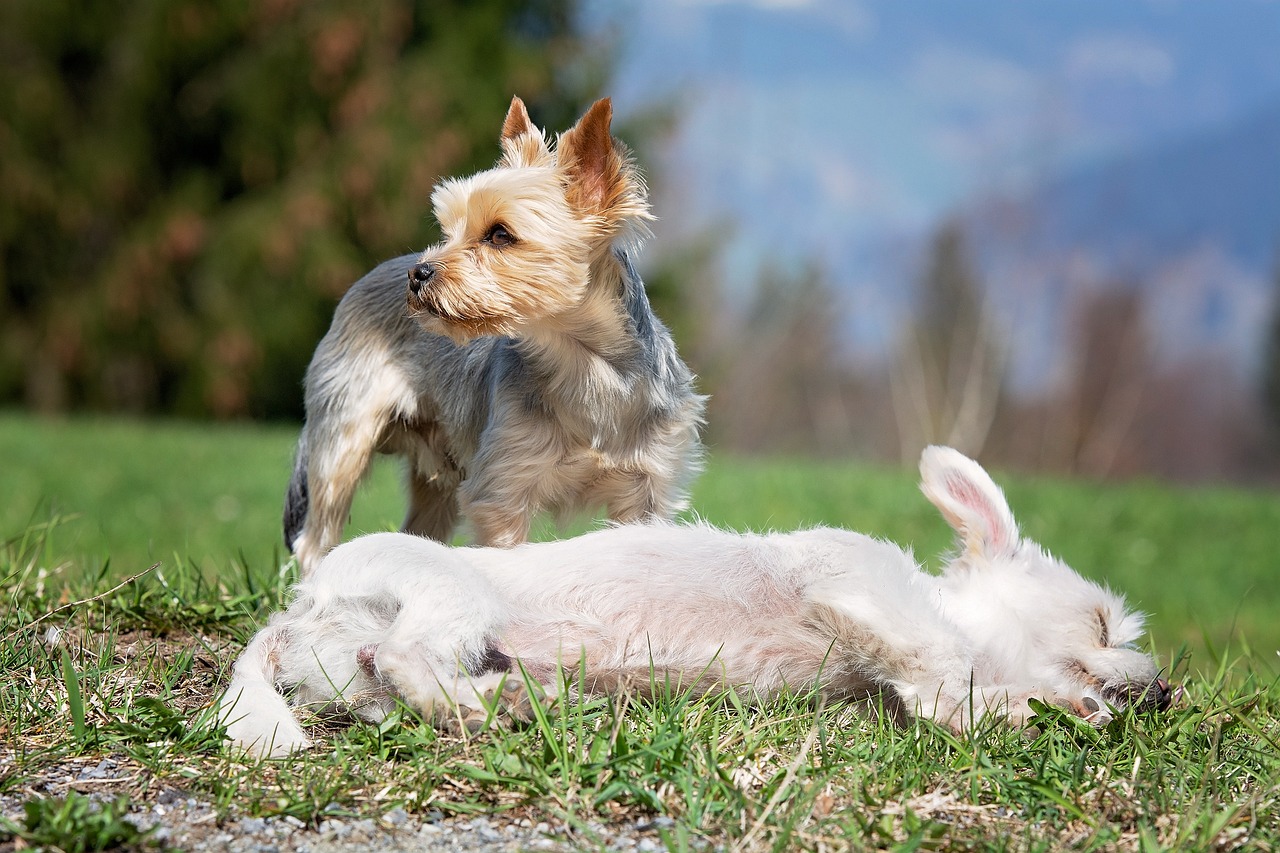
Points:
[(132, 675), (1205, 563)]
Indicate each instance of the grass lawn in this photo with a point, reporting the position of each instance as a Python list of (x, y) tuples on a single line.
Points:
[(87, 504)]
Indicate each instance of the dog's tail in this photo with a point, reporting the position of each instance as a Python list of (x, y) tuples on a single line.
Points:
[(257, 717), (296, 497)]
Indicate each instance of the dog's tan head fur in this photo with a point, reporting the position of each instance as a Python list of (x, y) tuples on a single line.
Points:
[(524, 241)]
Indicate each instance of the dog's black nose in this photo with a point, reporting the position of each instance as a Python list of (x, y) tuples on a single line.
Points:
[(420, 276)]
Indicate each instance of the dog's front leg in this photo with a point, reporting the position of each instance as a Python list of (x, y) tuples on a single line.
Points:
[(884, 629), (926, 666), (509, 481)]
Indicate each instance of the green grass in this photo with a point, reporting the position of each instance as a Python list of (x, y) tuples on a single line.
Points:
[(89, 504)]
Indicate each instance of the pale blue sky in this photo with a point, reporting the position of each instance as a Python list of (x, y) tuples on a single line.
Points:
[(886, 114)]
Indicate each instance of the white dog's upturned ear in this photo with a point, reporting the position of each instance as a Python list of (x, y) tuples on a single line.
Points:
[(969, 500)]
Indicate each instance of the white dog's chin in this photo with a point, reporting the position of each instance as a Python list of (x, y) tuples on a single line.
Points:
[(452, 631)]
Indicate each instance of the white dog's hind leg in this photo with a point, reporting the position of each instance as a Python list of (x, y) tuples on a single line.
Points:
[(438, 642), (423, 679), (257, 717)]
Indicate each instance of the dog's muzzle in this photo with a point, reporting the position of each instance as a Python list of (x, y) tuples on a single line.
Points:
[(421, 276), (1156, 695)]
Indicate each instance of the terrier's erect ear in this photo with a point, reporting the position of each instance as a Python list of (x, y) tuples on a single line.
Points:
[(517, 122), (970, 501), (586, 153), (522, 142)]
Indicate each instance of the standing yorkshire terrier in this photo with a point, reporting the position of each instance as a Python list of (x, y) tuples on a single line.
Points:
[(524, 371)]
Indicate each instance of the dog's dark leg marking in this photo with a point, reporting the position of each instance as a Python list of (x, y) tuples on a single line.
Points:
[(492, 660), (297, 497)]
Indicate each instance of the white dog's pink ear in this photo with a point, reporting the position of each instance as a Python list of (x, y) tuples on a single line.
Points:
[(969, 500)]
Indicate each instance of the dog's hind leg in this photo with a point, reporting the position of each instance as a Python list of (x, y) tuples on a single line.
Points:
[(339, 455), (433, 508), (444, 637), (354, 405), (431, 482)]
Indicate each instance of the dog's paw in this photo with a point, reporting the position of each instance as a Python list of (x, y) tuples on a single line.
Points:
[(514, 699), (960, 713), (521, 699), (465, 720)]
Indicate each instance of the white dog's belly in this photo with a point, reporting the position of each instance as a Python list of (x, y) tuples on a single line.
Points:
[(713, 648)]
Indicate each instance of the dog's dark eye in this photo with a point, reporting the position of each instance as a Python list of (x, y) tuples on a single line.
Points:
[(499, 236)]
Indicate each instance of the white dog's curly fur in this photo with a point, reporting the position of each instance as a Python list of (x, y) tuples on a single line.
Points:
[(392, 617)]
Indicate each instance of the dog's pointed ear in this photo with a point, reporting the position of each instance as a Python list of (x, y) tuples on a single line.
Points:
[(523, 144), (517, 122), (970, 501), (586, 153)]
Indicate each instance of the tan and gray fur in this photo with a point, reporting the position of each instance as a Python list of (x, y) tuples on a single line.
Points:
[(520, 369), (455, 632)]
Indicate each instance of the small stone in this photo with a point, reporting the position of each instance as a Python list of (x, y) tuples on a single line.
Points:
[(253, 824), (396, 817), (101, 771)]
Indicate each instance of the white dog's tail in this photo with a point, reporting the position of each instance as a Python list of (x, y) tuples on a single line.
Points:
[(257, 717)]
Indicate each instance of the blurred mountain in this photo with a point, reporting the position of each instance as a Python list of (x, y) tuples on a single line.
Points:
[(1220, 188), (1192, 225)]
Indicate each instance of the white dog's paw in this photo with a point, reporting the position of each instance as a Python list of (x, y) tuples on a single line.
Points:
[(259, 721), (503, 698), (277, 741), (959, 713), (1092, 711)]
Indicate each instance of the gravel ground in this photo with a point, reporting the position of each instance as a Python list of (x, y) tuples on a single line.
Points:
[(187, 823)]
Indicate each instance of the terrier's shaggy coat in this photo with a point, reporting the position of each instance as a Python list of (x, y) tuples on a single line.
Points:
[(448, 631), (522, 367)]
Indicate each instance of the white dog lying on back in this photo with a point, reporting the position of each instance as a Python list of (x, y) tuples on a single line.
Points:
[(392, 617)]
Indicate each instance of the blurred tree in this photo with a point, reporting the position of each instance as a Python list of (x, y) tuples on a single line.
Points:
[(188, 186), (1271, 364), (1096, 430), (948, 372), (779, 375)]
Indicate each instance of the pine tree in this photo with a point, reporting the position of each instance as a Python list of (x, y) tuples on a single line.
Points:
[(189, 185)]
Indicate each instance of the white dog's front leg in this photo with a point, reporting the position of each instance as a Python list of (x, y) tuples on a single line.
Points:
[(883, 625)]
